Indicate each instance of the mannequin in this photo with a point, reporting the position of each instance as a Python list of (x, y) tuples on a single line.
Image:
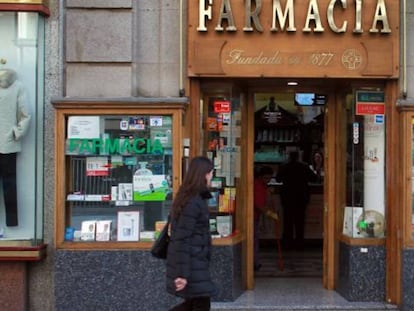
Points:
[(14, 122)]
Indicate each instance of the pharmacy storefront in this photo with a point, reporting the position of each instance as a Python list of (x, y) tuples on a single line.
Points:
[(274, 77)]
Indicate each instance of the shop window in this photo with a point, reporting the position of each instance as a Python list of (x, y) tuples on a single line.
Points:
[(365, 165), (21, 128), (221, 144), (119, 175)]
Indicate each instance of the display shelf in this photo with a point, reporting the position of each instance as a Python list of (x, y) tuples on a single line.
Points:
[(117, 173), (221, 144)]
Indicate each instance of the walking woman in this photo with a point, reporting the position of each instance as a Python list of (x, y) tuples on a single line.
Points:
[(189, 251)]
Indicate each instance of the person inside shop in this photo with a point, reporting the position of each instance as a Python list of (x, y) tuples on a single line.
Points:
[(261, 197), (189, 250), (271, 106), (270, 113), (14, 123), (295, 177), (270, 109), (317, 166)]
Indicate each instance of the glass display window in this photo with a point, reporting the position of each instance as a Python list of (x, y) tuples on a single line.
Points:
[(21, 128), (119, 168), (222, 145), (364, 215)]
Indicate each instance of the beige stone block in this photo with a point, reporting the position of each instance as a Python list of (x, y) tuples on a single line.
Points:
[(410, 81), (99, 3), (148, 36), (94, 80), (157, 80), (170, 36), (147, 80), (410, 6), (148, 5), (158, 5), (98, 36), (169, 80)]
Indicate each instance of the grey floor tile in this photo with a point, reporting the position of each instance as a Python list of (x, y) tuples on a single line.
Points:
[(295, 294)]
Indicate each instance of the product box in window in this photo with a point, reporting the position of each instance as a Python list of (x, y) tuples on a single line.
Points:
[(350, 226), (103, 230), (227, 200), (88, 230), (213, 202), (159, 225), (224, 225)]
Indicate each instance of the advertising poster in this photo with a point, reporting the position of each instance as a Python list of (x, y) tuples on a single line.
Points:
[(150, 187), (97, 166), (128, 226), (86, 127), (374, 156)]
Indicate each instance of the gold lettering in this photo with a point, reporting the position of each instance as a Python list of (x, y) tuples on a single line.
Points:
[(358, 17), (237, 57), (321, 59), (380, 16), (253, 16), (331, 19), (282, 17), (313, 14), (203, 12), (227, 14)]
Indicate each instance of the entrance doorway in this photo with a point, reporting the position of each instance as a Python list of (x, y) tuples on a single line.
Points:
[(235, 129), (289, 124)]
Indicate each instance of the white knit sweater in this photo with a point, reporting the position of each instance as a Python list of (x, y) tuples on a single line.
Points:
[(14, 118)]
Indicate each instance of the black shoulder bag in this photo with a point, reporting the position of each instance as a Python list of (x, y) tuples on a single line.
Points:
[(160, 246)]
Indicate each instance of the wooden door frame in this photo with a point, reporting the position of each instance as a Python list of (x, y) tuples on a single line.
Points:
[(395, 217), (249, 193), (335, 183)]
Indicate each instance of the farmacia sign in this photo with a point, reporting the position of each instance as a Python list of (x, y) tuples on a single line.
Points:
[(317, 19), (115, 146)]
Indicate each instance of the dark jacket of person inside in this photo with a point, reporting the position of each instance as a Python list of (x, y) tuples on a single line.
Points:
[(295, 195)]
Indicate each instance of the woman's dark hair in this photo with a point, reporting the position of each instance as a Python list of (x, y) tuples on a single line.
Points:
[(313, 157), (194, 183)]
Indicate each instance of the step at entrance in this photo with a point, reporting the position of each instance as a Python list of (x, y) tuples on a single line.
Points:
[(291, 294), (276, 308)]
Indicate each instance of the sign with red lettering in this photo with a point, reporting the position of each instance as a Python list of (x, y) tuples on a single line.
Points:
[(222, 106), (372, 108), (370, 103)]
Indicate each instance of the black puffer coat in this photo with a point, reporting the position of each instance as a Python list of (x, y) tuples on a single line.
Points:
[(189, 250)]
